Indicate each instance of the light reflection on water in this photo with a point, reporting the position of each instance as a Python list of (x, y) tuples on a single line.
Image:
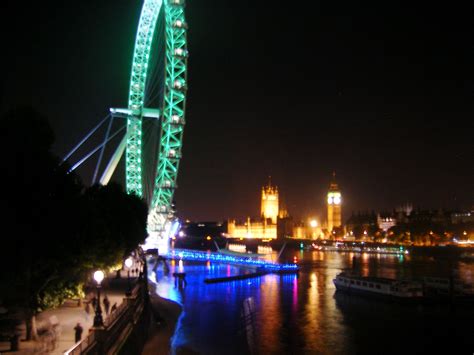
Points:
[(303, 315)]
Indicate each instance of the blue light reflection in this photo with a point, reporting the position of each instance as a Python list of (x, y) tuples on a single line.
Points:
[(212, 312)]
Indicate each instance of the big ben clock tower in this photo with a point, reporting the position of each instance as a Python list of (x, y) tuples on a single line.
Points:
[(334, 205)]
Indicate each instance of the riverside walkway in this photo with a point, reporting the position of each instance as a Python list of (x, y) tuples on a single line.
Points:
[(61, 321)]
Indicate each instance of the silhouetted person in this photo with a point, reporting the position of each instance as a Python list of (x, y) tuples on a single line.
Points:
[(78, 332), (106, 305)]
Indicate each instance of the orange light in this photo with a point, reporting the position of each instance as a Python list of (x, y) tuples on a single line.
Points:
[(208, 237)]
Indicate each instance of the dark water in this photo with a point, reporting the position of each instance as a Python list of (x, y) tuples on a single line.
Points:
[(304, 315)]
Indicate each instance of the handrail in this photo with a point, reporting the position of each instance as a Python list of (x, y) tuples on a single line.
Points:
[(79, 347), (114, 324), (115, 314)]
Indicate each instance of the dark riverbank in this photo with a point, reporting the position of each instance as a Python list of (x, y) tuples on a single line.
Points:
[(166, 314)]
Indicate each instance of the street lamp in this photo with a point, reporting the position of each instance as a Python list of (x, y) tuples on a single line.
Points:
[(98, 321), (128, 265)]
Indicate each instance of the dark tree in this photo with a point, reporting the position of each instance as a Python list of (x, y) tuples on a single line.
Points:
[(59, 231)]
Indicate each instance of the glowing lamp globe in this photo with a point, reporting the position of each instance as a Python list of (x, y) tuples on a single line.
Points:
[(128, 263), (98, 276)]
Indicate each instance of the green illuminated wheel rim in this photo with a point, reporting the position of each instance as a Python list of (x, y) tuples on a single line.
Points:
[(171, 109)]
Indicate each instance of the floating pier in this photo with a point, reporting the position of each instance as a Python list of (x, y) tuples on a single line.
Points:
[(248, 276), (263, 267)]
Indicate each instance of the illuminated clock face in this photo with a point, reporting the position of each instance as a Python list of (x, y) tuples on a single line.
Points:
[(330, 200), (337, 199)]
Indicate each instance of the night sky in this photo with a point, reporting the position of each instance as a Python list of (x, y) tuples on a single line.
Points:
[(379, 92)]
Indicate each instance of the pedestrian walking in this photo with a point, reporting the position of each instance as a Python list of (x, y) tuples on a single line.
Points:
[(106, 305), (88, 309), (78, 332)]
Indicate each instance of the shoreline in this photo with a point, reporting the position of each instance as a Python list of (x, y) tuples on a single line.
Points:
[(166, 314)]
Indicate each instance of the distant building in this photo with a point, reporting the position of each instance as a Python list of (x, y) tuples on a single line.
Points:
[(282, 211), (362, 225), (334, 203), (285, 226), (299, 231), (266, 226), (200, 235), (252, 229), (402, 213), (425, 217), (462, 217), (202, 229), (275, 222), (385, 221), (269, 204)]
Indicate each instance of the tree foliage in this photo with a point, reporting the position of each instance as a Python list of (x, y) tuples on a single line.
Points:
[(59, 230)]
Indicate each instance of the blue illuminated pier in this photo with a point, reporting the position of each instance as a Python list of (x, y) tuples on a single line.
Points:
[(264, 266)]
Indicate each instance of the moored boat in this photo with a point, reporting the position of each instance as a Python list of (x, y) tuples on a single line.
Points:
[(378, 286)]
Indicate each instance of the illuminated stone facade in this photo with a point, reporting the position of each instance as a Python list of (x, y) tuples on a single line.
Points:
[(300, 232), (334, 203), (260, 229), (269, 206), (386, 221), (275, 222), (266, 226)]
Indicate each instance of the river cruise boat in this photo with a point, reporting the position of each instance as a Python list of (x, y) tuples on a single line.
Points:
[(378, 286), (362, 248)]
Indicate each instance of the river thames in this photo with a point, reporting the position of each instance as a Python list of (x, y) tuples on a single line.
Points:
[(304, 315)]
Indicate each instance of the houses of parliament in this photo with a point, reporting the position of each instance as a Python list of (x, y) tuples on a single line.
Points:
[(274, 221)]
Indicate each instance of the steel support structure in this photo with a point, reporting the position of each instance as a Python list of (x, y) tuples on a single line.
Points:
[(171, 111), (172, 124)]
